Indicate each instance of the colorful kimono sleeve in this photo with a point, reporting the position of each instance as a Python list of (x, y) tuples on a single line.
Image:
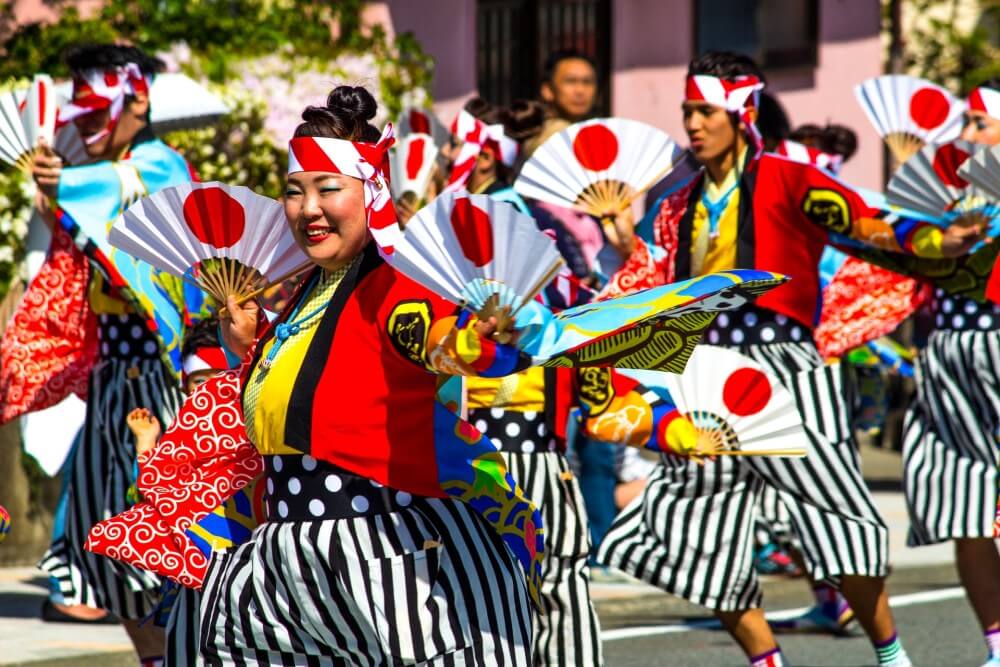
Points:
[(618, 409), (837, 208), (454, 347)]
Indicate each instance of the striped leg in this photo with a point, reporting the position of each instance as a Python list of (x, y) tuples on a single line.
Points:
[(375, 590), (101, 475), (691, 532), (566, 629), (182, 630), (950, 440)]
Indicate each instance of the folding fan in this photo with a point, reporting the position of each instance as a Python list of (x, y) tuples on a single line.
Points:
[(733, 401), (982, 170), (598, 166), (412, 162), (422, 121), (908, 112), (930, 183), (23, 122), (69, 145), (4, 523), (226, 239), (477, 252)]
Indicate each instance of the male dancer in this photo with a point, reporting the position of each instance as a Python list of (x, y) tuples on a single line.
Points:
[(692, 532), (951, 429)]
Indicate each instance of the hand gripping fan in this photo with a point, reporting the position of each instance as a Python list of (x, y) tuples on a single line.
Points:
[(412, 162), (598, 166), (422, 121), (930, 182), (908, 112), (477, 252), (982, 170), (735, 402), (226, 239), (24, 121)]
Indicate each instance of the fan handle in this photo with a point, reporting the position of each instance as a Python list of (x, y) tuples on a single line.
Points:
[(223, 312)]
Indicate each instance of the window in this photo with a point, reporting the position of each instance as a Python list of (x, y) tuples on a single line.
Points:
[(776, 33), (514, 37)]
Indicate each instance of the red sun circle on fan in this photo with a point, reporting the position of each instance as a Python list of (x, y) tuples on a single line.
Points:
[(747, 391), (473, 230), (415, 157), (929, 108), (947, 159), (596, 147), (214, 217)]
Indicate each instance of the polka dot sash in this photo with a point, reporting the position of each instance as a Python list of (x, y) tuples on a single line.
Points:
[(513, 431), (961, 314), (126, 337), (750, 325), (301, 488)]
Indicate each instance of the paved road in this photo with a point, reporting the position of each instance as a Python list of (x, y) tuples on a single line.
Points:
[(935, 623)]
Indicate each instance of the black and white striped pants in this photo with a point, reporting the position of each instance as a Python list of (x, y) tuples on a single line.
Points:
[(100, 477), (182, 630), (566, 629), (431, 584), (691, 532), (951, 438)]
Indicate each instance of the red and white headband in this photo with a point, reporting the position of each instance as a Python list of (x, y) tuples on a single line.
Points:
[(368, 162), (797, 152), (205, 359), (737, 95), (986, 100), (477, 136), (99, 89)]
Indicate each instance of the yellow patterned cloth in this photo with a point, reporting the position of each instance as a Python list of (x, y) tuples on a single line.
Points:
[(265, 401), (718, 254), (521, 392)]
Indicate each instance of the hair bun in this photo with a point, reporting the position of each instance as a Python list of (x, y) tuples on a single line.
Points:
[(352, 104)]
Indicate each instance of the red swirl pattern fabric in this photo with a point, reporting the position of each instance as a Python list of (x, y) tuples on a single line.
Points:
[(50, 344), (862, 303), (201, 461)]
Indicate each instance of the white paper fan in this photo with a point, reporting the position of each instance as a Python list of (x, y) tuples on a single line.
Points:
[(599, 166), (983, 170), (930, 182), (412, 162), (69, 145), (908, 112), (25, 119), (227, 239), (415, 120), (477, 252), (736, 402)]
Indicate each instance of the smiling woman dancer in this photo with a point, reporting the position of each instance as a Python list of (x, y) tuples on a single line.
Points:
[(346, 570)]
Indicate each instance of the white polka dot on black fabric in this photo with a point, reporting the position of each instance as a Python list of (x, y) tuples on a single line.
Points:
[(136, 331), (149, 347), (939, 320), (105, 349), (277, 464), (796, 333), (123, 318), (496, 443), (947, 305), (496, 413), (270, 486), (316, 507), (530, 415), (333, 483), (359, 504), (722, 320), (123, 348), (308, 463), (781, 319), (377, 485), (971, 307), (767, 334), (542, 430), (512, 430), (282, 509), (481, 425), (294, 486), (737, 336), (985, 322), (112, 332), (958, 321), (527, 446), (750, 319), (403, 498), (713, 337)]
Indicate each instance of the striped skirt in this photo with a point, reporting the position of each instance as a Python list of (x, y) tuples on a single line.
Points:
[(99, 479), (566, 630), (429, 584), (951, 438), (691, 532)]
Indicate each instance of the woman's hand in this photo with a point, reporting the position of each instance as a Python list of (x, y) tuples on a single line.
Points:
[(959, 237), (620, 230), (44, 209), (406, 207), (146, 429), (238, 324), (490, 328), (46, 169)]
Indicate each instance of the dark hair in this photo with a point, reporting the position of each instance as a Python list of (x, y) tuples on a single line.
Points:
[(772, 121), (834, 139), (345, 116), (725, 65), (202, 335), (556, 57), (104, 56)]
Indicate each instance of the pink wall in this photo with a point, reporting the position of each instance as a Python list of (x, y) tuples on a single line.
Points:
[(651, 45)]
